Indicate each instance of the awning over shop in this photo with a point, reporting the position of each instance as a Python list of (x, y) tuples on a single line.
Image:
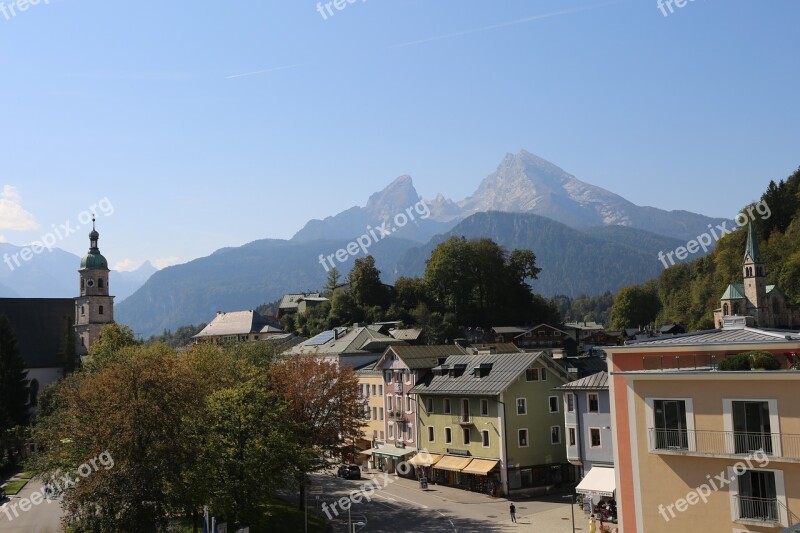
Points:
[(425, 459), (600, 481), (480, 467), (391, 452), (452, 462)]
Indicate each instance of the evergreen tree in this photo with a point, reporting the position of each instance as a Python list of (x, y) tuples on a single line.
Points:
[(13, 380)]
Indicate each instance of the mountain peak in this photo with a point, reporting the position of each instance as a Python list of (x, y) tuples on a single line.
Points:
[(395, 198)]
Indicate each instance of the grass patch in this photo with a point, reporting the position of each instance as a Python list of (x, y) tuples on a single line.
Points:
[(12, 488), (26, 475), (278, 517)]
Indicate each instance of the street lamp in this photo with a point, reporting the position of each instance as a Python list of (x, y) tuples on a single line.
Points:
[(571, 499)]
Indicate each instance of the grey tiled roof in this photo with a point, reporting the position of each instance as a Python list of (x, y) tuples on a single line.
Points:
[(506, 367), (355, 341), (719, 336), (421, 357), (239, 323), (597, 381)]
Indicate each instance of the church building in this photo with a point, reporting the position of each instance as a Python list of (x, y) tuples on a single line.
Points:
[(44, 326), (767, 304)]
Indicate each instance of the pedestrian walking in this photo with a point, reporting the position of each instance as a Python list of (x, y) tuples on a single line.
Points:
[(513, 511), (592, 524)]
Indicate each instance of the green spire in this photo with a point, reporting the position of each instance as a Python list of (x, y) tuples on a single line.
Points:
[(94, 260), (752, 245)]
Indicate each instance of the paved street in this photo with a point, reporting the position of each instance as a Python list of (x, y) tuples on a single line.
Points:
[(42, 518), (401, 506)]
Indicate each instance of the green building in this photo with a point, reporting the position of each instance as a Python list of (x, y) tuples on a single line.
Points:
[(492, 423)]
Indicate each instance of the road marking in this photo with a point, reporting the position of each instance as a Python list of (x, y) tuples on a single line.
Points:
[(451, 522), (405, 499)]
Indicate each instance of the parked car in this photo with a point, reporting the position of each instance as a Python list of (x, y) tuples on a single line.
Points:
[(349, 472)]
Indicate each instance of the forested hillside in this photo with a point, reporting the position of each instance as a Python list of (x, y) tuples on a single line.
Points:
[(689, 293)]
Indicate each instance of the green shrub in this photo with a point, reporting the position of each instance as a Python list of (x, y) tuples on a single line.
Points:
[(750, 360), (764, 360), (739, 361)]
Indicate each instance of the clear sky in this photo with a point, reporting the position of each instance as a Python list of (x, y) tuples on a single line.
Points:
[(212, 124)]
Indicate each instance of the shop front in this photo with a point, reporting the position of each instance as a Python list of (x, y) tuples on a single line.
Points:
[(423, 462), (482, 475), (391, 459), (598, 488)]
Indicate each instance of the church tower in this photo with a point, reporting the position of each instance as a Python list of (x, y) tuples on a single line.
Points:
[(755, 288), (94, 308)]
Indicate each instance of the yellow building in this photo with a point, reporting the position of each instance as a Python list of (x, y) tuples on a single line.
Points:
[(702, 449), (371, 385)]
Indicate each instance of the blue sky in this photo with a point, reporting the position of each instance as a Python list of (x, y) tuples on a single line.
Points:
[(143, 103)]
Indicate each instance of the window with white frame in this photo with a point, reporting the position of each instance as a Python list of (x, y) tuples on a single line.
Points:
[(553, 401), (485, 438), (522, 438), (758, 496), (593, 402), (390, 403), (522, 406), (569, 399), (670, 422), (448, 436), (751, 425), (572, 437), (408, 404), (391, 431), (532, 374), (388, 376), (555, 435), (409, 432), (594, 438)]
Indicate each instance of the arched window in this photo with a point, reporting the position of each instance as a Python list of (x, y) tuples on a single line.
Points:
[(100, 283), (33, 393), (726, 310)]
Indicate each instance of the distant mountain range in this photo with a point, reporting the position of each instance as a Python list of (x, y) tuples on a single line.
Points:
[(54, 274), (587, 241), (522, 183)]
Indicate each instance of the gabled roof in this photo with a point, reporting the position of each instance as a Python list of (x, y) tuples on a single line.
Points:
[(239, 323), (735, 291), (421, 357), (346, 341), (40, 325), (744, 335), (290, 301), (504, 369), (406, 334), (588, 326), (597, 381), (368, 370), (497, 347), (537, 327), (508, 329)]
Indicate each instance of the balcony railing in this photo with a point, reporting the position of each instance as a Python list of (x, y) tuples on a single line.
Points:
[(702, 442), (397, 415), (757, 509), (464, 420)]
